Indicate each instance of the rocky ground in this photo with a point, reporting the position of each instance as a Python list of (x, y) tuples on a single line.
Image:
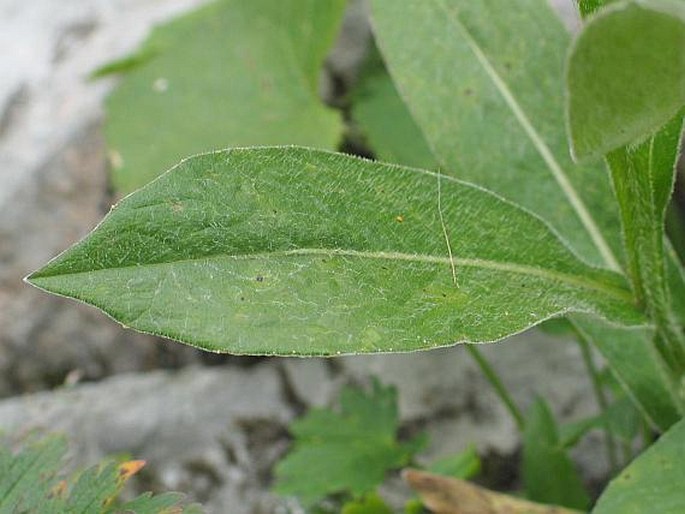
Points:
[(208, 425)]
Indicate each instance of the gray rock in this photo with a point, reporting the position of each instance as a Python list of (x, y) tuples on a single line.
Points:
[(214, 433), (54, 185)]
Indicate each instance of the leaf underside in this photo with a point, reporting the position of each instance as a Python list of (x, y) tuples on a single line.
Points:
[(297, 251)]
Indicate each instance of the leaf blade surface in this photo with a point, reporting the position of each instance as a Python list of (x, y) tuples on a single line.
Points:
[(297, 251)]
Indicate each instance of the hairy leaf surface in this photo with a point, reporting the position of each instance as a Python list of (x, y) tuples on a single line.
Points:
[(484, 82), (233, 73), (651, 483), (298, 251), (622, 86)]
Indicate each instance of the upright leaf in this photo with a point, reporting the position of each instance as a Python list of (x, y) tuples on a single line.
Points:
[(639, 368), (484, 82), (622, 87), (233, 73), (384, 120), (643, 177), (297, 251), (548, 473), (651, 483)]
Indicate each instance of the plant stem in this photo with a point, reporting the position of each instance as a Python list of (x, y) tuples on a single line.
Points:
[(497, 385), (600, 396)]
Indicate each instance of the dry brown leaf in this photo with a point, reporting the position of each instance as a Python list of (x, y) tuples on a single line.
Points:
[(444, 495)]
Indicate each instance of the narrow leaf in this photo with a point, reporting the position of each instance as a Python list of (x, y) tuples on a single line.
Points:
[(548, 472), (621, 87), (638, 367), (296, 251), (486, 88), (651, 483), (643, 176), (462, 465), (233, 73), (384, 120)]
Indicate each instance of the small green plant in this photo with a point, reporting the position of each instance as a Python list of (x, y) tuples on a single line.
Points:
[(285, 250), (32, 482)]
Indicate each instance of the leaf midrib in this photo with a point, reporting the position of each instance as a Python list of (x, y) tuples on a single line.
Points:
[(538, 142), (509, 267)]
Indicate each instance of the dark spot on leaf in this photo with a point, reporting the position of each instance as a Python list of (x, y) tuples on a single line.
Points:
[(242, 298), (468, 91), (508, 66)]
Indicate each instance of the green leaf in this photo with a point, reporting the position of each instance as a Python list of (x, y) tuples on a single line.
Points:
[(676, 281), (297, 251), (548, 473), (588, 7), (643, 176), (30, 481), (27, 476), (485, 85), (622, 87), (370, 504), (651, 483), (463, 465), (346, 451), (384, 120), (233, 73), (638, 367)]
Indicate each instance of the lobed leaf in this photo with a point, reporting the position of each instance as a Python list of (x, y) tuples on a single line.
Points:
[(297, 251), (232, 73), (344, 452), (30, 481), (622, 87)]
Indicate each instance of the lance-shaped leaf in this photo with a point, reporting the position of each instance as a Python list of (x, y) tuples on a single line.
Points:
[(549, 475), (622, 87), (233, 73), (638, 367), (298, 251), (384, 120), (651, 483), (484, 82), (643, 177)]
